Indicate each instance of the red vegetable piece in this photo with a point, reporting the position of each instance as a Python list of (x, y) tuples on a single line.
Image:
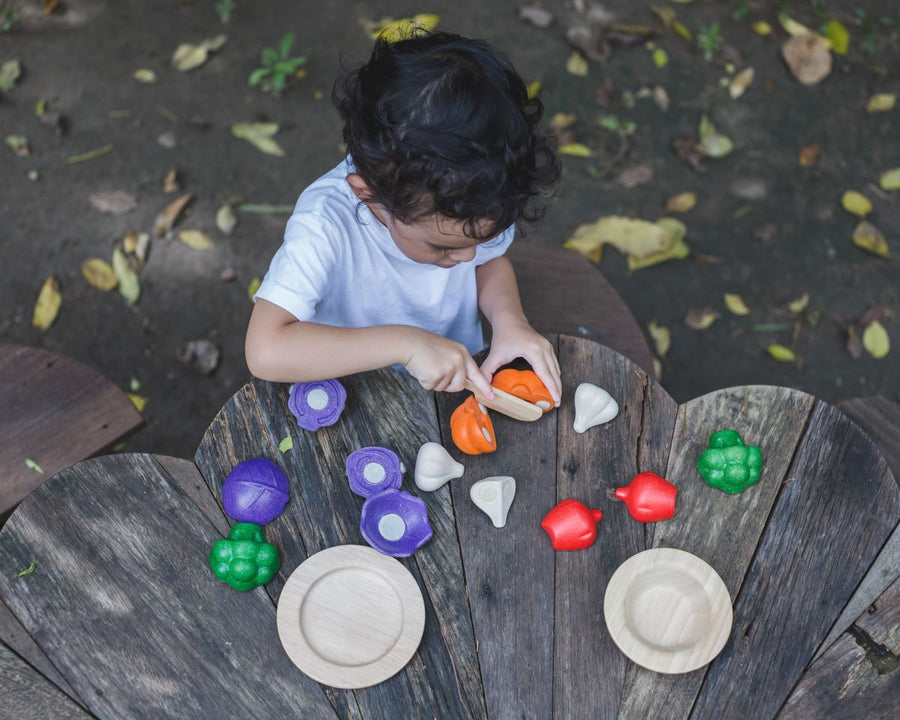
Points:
[(649, 497), (526, 385), (571, 525)]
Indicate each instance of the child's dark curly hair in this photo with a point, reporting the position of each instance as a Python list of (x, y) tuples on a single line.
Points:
[(443, 124)]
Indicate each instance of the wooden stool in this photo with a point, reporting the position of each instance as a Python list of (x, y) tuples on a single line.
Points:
[(55, 411), (562, 292)]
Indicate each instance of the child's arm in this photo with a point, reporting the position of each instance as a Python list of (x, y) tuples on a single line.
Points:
[(512, 336), (280, 348)]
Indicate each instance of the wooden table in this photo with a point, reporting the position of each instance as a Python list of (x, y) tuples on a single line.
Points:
[(121, 616)]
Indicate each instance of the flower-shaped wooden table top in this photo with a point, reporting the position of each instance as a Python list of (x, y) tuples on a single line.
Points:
[(121, 612)]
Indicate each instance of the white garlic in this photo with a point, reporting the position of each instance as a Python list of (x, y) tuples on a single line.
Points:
[(434, 467), (593, 406), (494, 495)]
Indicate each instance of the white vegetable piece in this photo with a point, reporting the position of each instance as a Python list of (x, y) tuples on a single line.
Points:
[(434, 467), (593, 406), (494, 495)]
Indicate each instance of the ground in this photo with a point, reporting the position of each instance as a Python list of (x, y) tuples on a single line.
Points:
[(765, 227)]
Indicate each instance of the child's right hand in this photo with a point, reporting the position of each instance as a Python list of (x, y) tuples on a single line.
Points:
[(442, 364)]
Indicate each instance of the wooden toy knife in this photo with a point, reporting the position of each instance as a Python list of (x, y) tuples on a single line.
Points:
[(507, 404)]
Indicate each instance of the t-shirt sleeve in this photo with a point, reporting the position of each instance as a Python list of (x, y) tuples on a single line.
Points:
[(494, 248), (300, 270)]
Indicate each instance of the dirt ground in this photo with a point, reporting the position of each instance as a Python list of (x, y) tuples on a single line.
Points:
[(764, 227)]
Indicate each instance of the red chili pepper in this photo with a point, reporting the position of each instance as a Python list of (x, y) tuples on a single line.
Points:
[(649, 497)]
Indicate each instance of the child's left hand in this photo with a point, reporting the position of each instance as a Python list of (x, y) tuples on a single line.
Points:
[(518, 339)]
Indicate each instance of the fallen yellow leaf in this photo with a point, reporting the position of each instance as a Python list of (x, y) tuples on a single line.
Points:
[(712, 143), (740, 83), (260, 135), (575, 150), (890, 179), (681, 203), (660, 58), (287, 443), (139, 401), (48, 303), (577, 65), (869, 238), (129, 284), (762, 28), (800, 304), (875, 340), (189, 57), (662, 337), (99, 274), (195, 239), (168, 217), (856, 203), (677, 249), (700, 318), (808, 155), (394, 30), (838, 36), (533, 89), (145, 76), (882, 102), (735, 303), (797, 30), (781, 353), (253, 287)]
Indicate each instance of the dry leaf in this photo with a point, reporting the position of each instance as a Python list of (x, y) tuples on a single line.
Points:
[(854, 344), (796, 30), (735, 303), (99, 274), (577, 65), (195, 239), (712, 143), (19, 145), (129, 284), (253, 286), (166, 220), (808, 58), (876, 341), (537, 16), (661, 97), (762, 28), (533, 89), (681, 203), (638, 237), (10, 71), (170, 182), (189, 57), (808, 155), (869, 238), (800, 304), (394, 30), (226, 220), (260, 135), (660, 58), (890, 179), (287, 443), (700, 318), (740, 83), (636, 175), (145, 76), (662, 337), (139, 401), (200, 355), (856, 203), (781, 353), (114, 202), (575, 150), (48, 303), (838, 36), (882, 102)]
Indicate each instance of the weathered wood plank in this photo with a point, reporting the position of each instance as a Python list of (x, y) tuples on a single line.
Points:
[(189, 479), (17, 639), (859, 675), (589, 670), (719, 528), (25, 694), (44, 397), (442, 678), (509, 570), (124, 604), (838, 506)]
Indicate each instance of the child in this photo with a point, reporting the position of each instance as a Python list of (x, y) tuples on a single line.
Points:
[(388, 258)]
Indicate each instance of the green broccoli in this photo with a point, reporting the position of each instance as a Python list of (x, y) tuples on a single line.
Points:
[(729, 465), (244, 560)]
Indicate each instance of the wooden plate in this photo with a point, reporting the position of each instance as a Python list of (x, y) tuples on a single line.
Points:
[(667, 610), (350, 617)]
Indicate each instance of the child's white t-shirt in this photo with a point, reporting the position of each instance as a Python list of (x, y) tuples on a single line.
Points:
[(338, 265)]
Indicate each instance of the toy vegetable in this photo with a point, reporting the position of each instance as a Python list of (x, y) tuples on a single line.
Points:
[(729, 465), (317, 404), (524, 384), (255, 491), (472, 429), (571, 525), (244, 560), (649, 497)]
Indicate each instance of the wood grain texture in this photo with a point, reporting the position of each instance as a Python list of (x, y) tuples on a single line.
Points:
[(57, 412), (838, 506), (859, 675), (719, 528), (124, 604), (589, 669), (322, 512), (879, 418), (510, 570), (563, 292), (25, 694)]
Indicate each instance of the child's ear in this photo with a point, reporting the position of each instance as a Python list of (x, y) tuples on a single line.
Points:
[(360, 187)]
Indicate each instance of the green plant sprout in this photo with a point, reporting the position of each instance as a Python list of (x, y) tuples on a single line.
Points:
[(224, 8), (8, 18), (741, 11), (278, 66), (709, 39)]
